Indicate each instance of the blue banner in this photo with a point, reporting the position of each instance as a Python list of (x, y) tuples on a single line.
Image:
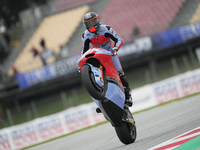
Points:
[(163, 39), (54, 70), (175, 36)]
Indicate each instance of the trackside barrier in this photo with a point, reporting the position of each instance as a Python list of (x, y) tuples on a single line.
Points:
[(45, 128), (76, 118)]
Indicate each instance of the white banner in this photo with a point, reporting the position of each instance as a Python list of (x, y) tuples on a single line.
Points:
[(166, 90), (49, 127), (143, 98), (189, 83)]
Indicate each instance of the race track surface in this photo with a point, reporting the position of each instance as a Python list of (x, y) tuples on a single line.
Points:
[(154, 126)]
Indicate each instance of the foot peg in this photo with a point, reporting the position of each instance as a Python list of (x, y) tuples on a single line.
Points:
[(98, 110), (129, 102)]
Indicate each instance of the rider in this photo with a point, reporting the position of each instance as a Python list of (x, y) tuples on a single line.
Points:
[(101, 35)]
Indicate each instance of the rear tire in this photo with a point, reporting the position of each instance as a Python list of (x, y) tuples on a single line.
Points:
[(86, 76), (126, 133)]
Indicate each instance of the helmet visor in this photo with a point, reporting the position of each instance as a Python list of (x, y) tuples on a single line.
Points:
[(91, 23)]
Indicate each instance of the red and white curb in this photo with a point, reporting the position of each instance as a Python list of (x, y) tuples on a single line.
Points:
[(177, 141)]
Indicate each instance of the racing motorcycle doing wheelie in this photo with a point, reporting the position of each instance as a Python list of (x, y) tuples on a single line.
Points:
[(101, 80)]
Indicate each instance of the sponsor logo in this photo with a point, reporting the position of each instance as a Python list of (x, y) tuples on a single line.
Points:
[(24, 136), (77, 120), (166, 92), (189, 31), (88, 15), (4, 142), (50, 128), (190, 85)]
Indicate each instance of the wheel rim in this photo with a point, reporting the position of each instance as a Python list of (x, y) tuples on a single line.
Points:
[(100, 89), (132, 131)]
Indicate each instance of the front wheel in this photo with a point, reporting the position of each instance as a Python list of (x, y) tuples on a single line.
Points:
[(88, 81)]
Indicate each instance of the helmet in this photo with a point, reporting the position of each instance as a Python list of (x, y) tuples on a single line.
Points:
[(91, 21)]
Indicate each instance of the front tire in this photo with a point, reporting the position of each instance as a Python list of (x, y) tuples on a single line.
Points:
[(86, 76)]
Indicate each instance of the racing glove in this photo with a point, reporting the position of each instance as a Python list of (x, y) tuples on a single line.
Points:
[(114, 51)]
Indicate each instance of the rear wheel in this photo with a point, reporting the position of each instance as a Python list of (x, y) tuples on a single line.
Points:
[(126, 133), (88, 81)]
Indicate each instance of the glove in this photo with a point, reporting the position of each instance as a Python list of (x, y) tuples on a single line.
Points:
[(114, 51)]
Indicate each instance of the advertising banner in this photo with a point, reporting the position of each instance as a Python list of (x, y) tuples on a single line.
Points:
[(190, 83), (49, 127), (189, 31), (175, 35), (23, 136), (166, 90), (5, 142), (161, 40), (143, 98), (54, 70), (76, 119)]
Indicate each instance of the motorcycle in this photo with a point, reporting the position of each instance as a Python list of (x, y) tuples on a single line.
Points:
[(101, 80)]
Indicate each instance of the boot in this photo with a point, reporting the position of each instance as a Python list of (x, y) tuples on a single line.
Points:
[(128, 97)]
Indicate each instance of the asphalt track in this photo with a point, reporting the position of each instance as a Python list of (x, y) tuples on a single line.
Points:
[(154, 126)]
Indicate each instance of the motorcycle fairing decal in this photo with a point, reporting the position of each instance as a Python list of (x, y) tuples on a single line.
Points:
[(115, 94), (103, 51), (113, 80)]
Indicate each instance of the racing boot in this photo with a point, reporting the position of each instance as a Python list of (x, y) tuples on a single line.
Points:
[(98, 110), (128, 97)]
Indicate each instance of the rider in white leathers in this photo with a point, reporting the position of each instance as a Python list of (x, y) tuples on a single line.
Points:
[(101, 35)]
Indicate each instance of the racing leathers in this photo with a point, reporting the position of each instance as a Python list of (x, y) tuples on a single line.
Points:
[(102, 37)]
